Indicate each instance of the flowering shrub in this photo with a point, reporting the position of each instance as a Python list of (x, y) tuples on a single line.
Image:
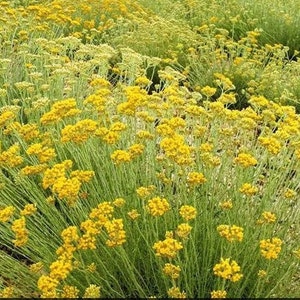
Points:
[(143, 156)]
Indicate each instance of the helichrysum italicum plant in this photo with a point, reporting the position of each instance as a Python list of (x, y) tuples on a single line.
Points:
[(113, 185)]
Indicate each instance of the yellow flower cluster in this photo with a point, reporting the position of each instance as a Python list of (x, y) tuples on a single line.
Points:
[(158, 206), (79, 132), (219, 294), (43, 153), (227, 204), (245, 160), (248, 189), (32, 170), (116, 232), (63, 187), (270, 248), (6, 213), (133, 214), (267, 217), (136, 97), (188, 212), (231, 233), (176, 149), (21, 233), (27, 131), (171, 270), (195, 178), (145, 191), (10, 157), (92, 291), (271, 143), (174, 292), (167, 248), (69, 291), (6, 117), (59, 110), (228, 270), (183, 230), (29, 209)]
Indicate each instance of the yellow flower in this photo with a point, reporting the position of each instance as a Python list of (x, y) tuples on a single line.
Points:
[(208, 91), (92, 268), (7, 292), (195, 178), (145, 191), (290, 193), (219, 294), (69, 291), (116, 233), (231, 233), (6, 213), (120, 156), (245, 160), (188, 212), (36, 268), (43, 153), (183, 230), (80, 132), (33, 170), (262, 273), (92, 291), (171, 270), (270, 143), (174, 292), (228, 270), (226, 204), (10, 157), (248, 189), (270, 248), (47, 286), (167, 248), (119, 202), (158, 206), (135, 150), (267, 217), (133, 214), (28, 210), (60, 269), (21, 233)]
